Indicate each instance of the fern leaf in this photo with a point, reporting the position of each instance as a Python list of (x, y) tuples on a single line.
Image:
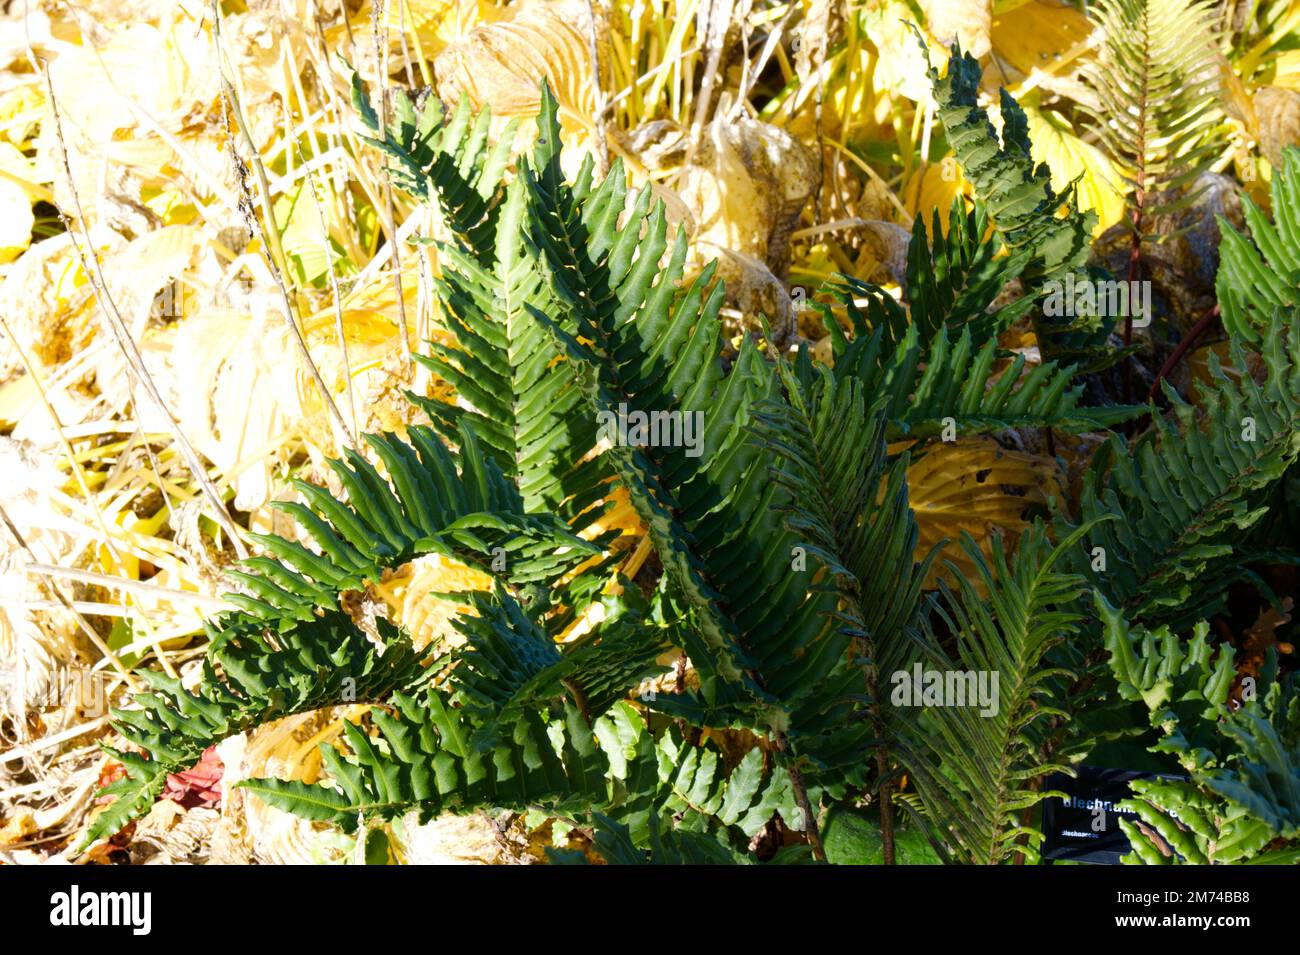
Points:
[(971, 765), (1189, 485), (1257, 280)]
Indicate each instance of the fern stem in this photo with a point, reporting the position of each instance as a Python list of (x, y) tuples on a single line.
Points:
[(1193, 335), (801, 796), (886, 808), (1139, 194)]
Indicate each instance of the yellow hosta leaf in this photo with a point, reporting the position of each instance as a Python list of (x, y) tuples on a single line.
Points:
[(20, 112), (438, 23), (1069, 158), (244, 404), (974, 485), (968, 21), (900, 66), (411, 597), (16, 218), (1041, 35), (935, 188), (1287, 70), (502, 64), (1277, 111)]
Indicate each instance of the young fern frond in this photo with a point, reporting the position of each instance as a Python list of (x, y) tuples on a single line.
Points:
[(1017, 192), (1259, 278), (1155, 77), (972, 767), (1034, 222)]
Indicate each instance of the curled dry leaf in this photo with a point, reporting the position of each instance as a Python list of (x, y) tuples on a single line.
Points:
[(1277, 111), (198, 786)]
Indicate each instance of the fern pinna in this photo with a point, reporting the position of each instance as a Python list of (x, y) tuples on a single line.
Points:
[(792, 581)]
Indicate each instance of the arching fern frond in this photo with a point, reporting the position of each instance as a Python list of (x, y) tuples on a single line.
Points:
[(289, 647), (1259, 275), (248, 679), (1240, 751), (1189, 484), (972, 760)]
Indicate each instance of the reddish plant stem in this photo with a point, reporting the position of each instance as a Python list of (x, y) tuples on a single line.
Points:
[(1139, 200), (1193, 335)]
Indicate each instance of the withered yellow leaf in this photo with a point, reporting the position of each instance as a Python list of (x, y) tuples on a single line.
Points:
[(16, 218), (501, 64), (977, 486), (1070, 158)]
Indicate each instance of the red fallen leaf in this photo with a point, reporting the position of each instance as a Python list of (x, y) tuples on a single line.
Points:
[(198, 786), (111, 773)]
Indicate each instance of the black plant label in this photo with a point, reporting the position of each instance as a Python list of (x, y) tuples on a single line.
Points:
[(1084, 826)]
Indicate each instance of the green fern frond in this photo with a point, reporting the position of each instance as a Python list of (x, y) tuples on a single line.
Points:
[(422, 759), (1040, 227), (948, 380), (1189, 485), (972, 766), (1017, 192), (1155, 79), (511, 664), (427, 505), (250, 678), (1240, 801), (613, 841), (290, 648), (638, 346), (1258, 279), (444, 161), (511, 386), (952, 281)]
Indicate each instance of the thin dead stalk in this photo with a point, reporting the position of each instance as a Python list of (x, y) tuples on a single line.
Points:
[(390, 211), (91, 266), (269, 237)]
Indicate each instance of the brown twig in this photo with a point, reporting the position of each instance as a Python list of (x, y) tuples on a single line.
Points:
[(273, 253)]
